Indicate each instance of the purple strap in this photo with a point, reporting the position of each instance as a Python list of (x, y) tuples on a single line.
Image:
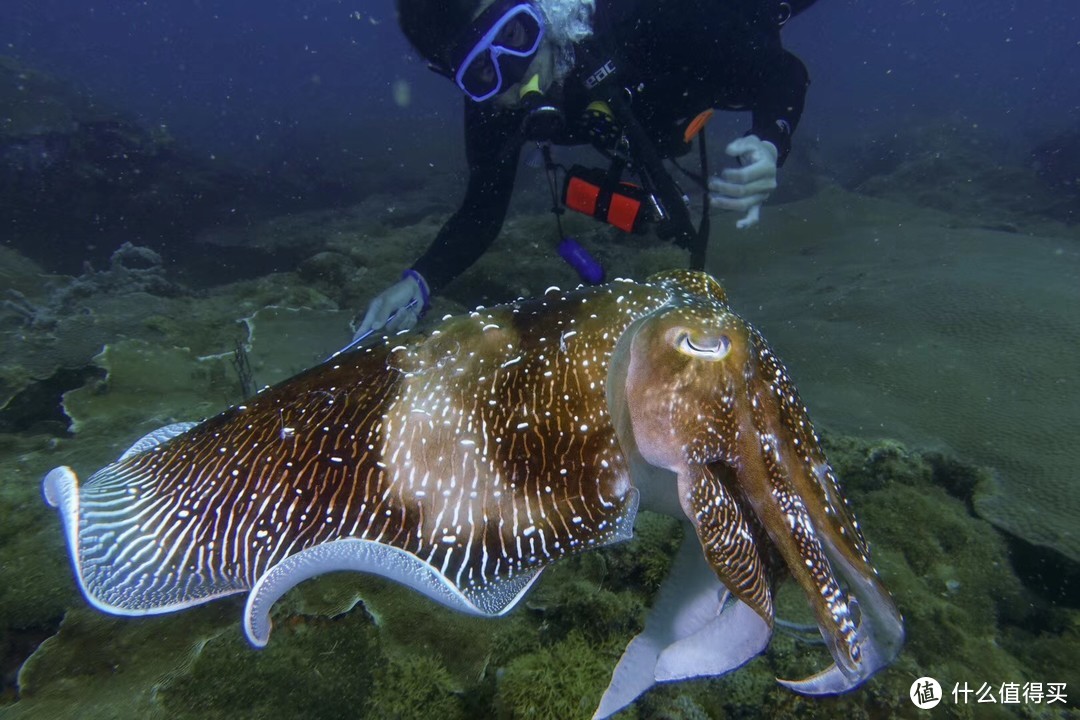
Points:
[(425, 294)]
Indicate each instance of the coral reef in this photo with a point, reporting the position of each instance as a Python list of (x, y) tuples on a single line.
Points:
[(56, 331), (55, 326), (77, 177), (415, 687), (968, 618), (557, 682), (337, 660), (953, 166)]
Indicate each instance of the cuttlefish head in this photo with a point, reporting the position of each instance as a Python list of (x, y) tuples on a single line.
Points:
[(708, 400)]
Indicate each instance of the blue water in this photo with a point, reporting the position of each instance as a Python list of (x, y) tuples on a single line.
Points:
[(236, 76)]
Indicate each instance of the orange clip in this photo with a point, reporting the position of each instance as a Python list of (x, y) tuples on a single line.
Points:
[(697, 124)]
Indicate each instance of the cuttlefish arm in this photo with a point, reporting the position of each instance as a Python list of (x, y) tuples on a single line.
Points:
[(787, 479), (707, 400)]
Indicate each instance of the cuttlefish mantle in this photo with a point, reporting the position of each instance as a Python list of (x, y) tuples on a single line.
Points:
[(462, 462)]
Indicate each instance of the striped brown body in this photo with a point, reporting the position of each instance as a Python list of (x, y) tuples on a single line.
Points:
[(484, 449)]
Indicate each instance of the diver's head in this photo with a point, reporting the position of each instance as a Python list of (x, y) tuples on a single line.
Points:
[(492, 48), (432, 26)]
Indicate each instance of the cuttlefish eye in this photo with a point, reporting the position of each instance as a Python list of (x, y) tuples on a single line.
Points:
[(709, 347)]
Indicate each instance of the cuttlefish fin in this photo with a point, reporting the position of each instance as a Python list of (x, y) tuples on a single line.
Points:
[(123, 569), (119, 563), (694, 629), (98, 518), (156, 437), (378, 559)]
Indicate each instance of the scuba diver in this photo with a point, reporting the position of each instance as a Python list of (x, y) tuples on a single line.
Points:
[(637, 79)]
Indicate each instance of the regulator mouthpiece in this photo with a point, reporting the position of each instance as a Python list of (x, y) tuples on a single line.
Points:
[(543, 119)]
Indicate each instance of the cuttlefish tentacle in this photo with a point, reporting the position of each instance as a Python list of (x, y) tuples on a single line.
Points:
[(798, 497)]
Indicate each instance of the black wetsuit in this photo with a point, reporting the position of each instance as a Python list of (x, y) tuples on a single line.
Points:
[(679, 57)]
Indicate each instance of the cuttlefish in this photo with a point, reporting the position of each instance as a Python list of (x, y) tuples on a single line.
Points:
[(462, 462)]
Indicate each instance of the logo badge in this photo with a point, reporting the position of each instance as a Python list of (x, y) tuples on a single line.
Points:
[(925, 693), (598, 77)]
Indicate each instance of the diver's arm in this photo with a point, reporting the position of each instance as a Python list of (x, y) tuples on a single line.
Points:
[(778, 102), (490, 139)]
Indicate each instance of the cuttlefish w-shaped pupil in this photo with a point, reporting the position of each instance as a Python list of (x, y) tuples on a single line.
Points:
[(706, 348)]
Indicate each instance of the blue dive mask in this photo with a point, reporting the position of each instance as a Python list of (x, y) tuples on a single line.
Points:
[(497, 49)]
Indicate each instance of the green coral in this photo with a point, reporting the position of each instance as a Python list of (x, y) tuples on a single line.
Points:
[(867, 467), (672, 706), (1052, 650), (644, 561), (572, 603), (415, 687), (563, 681), (312, 667)]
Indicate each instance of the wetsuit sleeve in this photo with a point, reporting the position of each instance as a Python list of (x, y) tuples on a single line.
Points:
[(779, 102), (492, 146)]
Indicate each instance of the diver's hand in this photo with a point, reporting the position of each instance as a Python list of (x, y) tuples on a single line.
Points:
[(398, 307), (744, 189)]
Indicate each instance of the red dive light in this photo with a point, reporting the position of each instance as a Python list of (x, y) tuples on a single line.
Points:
[(591, 191)]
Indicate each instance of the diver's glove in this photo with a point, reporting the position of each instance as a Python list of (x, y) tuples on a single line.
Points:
[(398, 307), (744, 189)]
